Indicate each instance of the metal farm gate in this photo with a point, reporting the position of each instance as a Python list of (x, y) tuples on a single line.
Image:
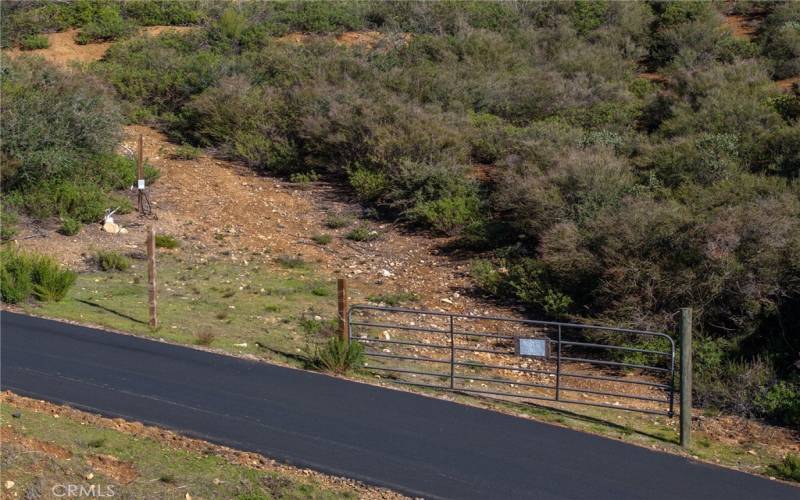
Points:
[(521, 359)]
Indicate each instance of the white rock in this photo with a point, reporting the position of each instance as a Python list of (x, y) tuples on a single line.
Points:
[(8, 484), (243, 344), (385, 273), (111, 227)]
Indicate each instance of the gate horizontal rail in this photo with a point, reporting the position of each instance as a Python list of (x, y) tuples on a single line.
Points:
[(461, 343)]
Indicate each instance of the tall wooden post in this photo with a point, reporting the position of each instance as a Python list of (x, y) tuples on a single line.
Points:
[(686, 377), (140, 175), (344, 323), (151, 275)]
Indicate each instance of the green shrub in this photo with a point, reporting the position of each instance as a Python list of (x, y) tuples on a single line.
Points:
[(304, 177), (8, 224), (322, 239), (16, 283), (368, 185), (108, 24), (448, 215), (84, 202), (167, 241), (321, 290), (780, 39), (163, 12), (186, 152), (23, 275), (788, 469), (50, 281), (335, 221), (70, 226), (487, 276), (316, 326), (337, 356), (362, 233), (53, 123), (34, 42), (780, 403), (110, 260)]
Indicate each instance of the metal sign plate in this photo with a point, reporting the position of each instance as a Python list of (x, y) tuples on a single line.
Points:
[(535, 348)]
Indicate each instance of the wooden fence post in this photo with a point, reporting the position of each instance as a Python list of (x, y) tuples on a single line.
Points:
[(344, 323), (140, 175), (151, 275), (686, 377)]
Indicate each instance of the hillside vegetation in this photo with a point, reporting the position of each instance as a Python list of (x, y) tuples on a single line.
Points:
[(526, 130)]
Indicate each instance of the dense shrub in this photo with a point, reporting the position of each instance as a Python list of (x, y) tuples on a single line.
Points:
[(98, 19), (788, 468), (70, 226), (780, 36), (337, 356), (107, 24), (8, 225), (781, 403), (52, 121), (59, 134), (33, 42), (167, 241), (50, 281), (110, 260), (16, 283), (24, 274)]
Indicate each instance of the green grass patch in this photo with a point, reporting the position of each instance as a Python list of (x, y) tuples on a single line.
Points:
[(788, 468), (335, 221), (322, 239), (195, 296), (34, 42), (167, 241), (186, 152), (362, 233)]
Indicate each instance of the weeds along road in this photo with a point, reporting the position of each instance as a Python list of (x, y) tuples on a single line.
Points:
[(417, 445)]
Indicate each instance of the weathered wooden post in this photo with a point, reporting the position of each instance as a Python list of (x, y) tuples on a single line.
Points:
[(151, 275), (686, 377), (140, 175), (344, 322)]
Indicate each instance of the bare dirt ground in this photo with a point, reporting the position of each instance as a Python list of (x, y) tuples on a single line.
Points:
[(124, 473)]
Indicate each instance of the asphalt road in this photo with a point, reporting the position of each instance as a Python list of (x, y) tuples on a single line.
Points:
[(417, 445)]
